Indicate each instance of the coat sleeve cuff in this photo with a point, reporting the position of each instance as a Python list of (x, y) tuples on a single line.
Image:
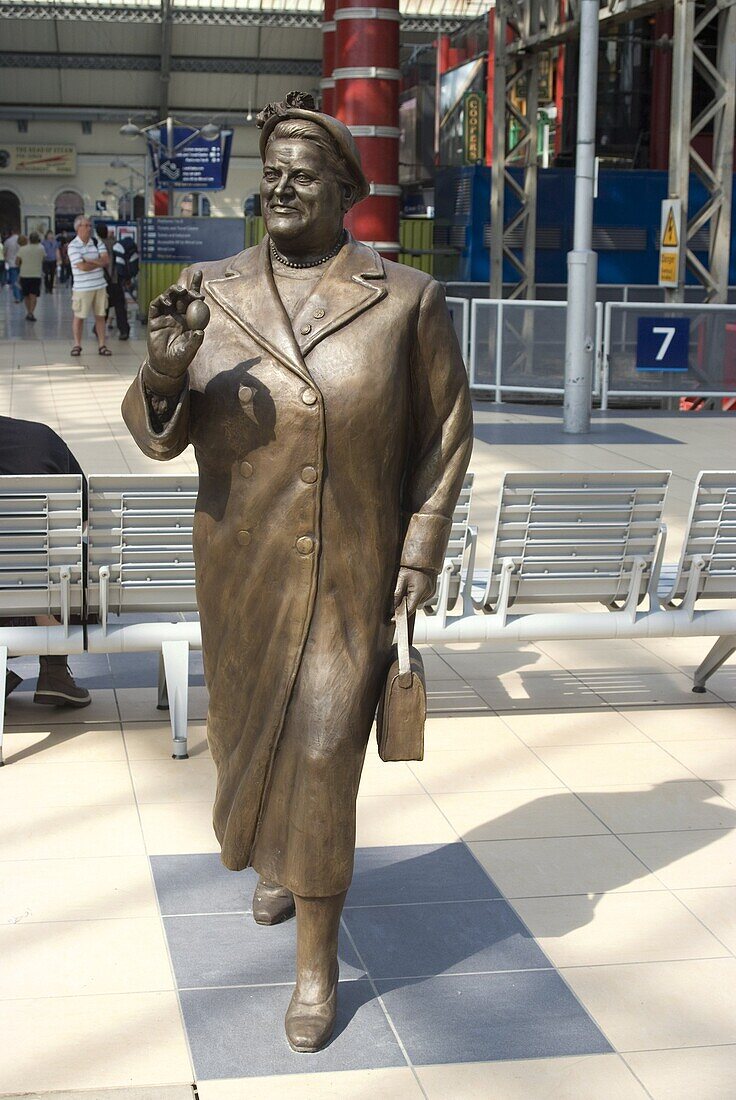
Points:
[(425, 542), (162, 435)]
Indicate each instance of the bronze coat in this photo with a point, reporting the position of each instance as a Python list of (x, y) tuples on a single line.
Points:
[(329, 453)]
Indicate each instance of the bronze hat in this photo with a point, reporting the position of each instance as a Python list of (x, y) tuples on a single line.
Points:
[(301, 105)]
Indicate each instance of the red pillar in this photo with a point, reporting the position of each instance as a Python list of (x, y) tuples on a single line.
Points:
[(490, 75), (367, 79), (327, 83), (659, 118)]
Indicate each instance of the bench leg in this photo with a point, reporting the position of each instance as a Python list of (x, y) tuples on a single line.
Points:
[(3, 674), (175, 657), (718, 655), (163, 695)]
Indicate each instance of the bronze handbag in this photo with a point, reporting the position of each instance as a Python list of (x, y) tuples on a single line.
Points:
[(403, 706)]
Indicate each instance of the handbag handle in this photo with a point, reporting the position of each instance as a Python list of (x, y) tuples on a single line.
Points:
[(402, 643)]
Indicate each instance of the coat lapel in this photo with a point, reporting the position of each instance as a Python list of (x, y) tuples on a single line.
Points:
[(354, 283), (249, 296)]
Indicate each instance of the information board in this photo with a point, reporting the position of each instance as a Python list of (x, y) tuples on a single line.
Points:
[(199, 165), (662, 343), (191, 240)]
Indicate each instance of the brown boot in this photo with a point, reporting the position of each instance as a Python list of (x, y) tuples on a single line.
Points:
[(272, 903), (309, 1026), (56, 687)]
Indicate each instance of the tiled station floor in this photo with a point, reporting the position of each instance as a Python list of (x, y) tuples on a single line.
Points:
[(544, 907)]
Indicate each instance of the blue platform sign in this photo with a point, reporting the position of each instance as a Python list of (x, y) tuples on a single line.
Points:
[(191, 240), (662, 343), (200, 165)]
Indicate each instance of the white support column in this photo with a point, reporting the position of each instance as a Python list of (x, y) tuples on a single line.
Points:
[(582, 262)]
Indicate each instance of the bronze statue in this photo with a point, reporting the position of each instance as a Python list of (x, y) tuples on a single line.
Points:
[(328, 406)]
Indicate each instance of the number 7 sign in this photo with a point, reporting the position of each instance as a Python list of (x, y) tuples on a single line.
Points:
[(662, 343)]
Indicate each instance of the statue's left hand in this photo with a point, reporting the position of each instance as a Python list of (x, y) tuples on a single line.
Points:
[(416, 586)]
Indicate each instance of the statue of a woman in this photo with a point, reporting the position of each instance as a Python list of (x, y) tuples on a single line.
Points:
[(324, 393)]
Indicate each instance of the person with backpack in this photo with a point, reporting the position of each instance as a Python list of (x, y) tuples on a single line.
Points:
[(115, 288), (88, 259), (126, 260)]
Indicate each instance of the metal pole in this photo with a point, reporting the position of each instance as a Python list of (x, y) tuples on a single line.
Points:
[(170, 153), (498, 158), (582, 262), (680, 124)]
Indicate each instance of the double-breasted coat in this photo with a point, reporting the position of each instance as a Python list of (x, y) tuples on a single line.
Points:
[(331, 450)]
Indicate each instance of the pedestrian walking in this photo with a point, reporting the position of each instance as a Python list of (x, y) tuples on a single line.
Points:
[(115, 288), (12, 244), (30, 261), (88, 259), (50, 260), (65, 271)]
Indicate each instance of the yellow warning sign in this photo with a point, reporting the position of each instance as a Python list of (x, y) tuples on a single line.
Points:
[(668, 269), (669, 239)]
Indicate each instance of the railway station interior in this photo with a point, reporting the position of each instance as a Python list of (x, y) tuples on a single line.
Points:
[(543, 907)]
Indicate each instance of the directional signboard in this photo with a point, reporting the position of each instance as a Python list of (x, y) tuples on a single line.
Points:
[(670, 242), (662, 343), (199, 165), (191, 240)]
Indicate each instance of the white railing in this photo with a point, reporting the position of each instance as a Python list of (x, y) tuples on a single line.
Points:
[(460, 312), (519, 346), (706, 366)]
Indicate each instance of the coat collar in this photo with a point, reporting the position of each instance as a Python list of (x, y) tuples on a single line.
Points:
[(248, 294)]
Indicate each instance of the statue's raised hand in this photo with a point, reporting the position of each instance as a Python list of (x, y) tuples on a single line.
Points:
[(176, 323)]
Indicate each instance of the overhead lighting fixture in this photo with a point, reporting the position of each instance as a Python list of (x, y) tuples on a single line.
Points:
[(210, 131), (118, 162), (130, 129)]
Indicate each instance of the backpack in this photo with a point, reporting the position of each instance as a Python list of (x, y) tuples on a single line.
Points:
[(126, 259)]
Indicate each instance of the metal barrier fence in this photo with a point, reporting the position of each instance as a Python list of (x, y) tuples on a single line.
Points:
[(519, 346), (668, 351), (605, 292), (460, 312)]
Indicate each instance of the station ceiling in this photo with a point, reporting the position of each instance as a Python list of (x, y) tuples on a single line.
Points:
[(102, 59)]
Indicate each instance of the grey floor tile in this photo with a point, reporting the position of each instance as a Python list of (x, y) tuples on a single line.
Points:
[(490, 1017), (412, 940), (417, 872), (201, 884), (231, 949), (240, 1033)]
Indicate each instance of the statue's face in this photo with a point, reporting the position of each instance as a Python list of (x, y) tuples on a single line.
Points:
[(303, 203)]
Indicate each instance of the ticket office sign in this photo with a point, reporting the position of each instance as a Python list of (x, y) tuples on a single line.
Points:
[(38, 160)]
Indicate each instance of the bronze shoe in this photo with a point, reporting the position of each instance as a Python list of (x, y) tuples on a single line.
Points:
[(272, 903), (310, 1027)]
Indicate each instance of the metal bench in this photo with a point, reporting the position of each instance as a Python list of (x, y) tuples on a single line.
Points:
[(462, 540), (41, 566), (707, 566), (141, 562)]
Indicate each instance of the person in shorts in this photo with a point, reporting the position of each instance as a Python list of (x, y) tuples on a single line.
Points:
[(88, 258), (30, 262)]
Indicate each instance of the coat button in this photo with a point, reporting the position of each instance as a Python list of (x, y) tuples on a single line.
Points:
[(244, 538), (245, 395), (305, 330), (319, 314), (305, 544), (246, 470), (309, 397), (309, 475)]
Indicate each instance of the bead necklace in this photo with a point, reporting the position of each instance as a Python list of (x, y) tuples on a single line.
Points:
[(311, 263)]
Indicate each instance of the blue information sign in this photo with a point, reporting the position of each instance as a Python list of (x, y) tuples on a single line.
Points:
[(198, 165), (662, 343), (191, 240)]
